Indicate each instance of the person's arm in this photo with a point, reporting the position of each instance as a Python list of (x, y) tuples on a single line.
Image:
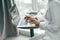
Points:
[(47, 18), (52, 17)]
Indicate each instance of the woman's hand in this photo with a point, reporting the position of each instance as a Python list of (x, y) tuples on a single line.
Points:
[(33, 21)]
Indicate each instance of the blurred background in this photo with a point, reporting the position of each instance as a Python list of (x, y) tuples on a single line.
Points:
[(25, 6)]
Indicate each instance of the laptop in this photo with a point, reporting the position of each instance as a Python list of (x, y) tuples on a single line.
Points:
[(16, 20)]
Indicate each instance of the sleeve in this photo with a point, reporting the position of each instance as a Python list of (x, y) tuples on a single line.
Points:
[(47, 18), (52, 19)]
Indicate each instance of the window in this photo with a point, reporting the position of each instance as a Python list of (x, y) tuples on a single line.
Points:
[(28, 1), (24, 6), (42, 5)]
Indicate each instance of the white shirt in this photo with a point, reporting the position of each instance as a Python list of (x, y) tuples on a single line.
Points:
[(53, 26)]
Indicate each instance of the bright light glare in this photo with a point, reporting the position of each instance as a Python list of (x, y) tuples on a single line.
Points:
[(28, 1)]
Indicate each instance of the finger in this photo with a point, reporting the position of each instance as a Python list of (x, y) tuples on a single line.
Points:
[(25, 17), (36, 18), (31, 23)]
